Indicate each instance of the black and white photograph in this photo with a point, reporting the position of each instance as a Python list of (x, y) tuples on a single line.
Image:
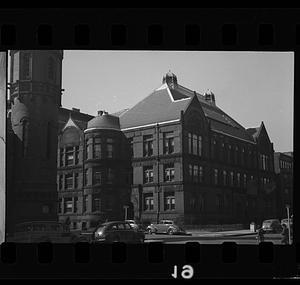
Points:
[(138, 147)]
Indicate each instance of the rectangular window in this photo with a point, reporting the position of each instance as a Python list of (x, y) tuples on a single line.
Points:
[(109, 150), (76, 155), (168, 143), (213, 149), (69, 181), (148, 145), (245, 180), (97, 148), (169, 201), (96, 204), (87, 149), (75, 204), (224, 177), (219, 202), (97, 176), (231, 178), (195, 144), (190, 142), (130, 142), (148, 174), (148, 202), (68, 205), (201, 174), (200, 145), (169, 172), (110, 175), (238, 179), (86, 176), (61, 157), (69, 156), (236, 153), (196, 174), (60, 182), (85, 203), (76, 177), (216, 176), (191, 172)]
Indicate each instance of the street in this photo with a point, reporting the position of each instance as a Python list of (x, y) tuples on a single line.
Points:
[(210, 239)]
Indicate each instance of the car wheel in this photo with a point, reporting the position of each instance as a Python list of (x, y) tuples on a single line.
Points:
[(170, 232)]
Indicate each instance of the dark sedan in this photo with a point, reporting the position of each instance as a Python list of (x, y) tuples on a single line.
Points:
[(118, 231)]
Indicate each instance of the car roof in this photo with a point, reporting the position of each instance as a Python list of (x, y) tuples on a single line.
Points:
[(271, 220)]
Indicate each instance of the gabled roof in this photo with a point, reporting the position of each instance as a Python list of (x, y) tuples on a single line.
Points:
[(70, 123), (80, 119), (165, 104)]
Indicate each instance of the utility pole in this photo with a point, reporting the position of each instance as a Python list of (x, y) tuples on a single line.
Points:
[(158, 190)]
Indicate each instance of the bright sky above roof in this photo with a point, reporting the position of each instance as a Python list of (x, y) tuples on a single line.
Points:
[(249, 86)]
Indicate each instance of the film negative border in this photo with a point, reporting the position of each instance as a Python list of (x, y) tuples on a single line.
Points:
[(152, 29)]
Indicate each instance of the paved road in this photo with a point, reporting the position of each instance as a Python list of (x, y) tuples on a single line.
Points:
[(213, 239)]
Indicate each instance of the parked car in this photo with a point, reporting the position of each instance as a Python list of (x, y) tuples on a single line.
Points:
[(117, 231), (271, 226), (43, 231), (135, 225), (165, 226)]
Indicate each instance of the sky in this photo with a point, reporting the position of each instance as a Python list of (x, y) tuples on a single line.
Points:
[(251, 87)]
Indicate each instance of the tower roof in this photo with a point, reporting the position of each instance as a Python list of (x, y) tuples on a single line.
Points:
[(104, 121)]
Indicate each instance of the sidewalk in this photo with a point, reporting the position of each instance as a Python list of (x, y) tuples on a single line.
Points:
[(199, 233)]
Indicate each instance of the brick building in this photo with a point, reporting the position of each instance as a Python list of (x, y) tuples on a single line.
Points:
[(283, 162), (93, 168), (193, 163)]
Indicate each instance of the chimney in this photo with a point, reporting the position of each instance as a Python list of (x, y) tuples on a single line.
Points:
[(76, 110), (210, 97), (100, 113)]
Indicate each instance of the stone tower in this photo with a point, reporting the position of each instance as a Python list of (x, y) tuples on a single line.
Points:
[(35, 96)]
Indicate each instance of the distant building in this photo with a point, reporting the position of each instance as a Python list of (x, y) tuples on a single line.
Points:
[(283, 162), (93, 169), (35, 96), (195, 164)]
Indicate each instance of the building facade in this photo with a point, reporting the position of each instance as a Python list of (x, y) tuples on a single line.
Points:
[(35, 96), (93, 169), (284, 165), (193, 163)]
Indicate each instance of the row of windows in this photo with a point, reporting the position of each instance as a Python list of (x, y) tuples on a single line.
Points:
[(69, 156), (168, 144), (233, 154), (169, 201), (99, 176), (169, 173), (285, 164), (196, 202), (229, 178), (68, 181), (71, 205), (99, 148), (196, 173), (194, 144)]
